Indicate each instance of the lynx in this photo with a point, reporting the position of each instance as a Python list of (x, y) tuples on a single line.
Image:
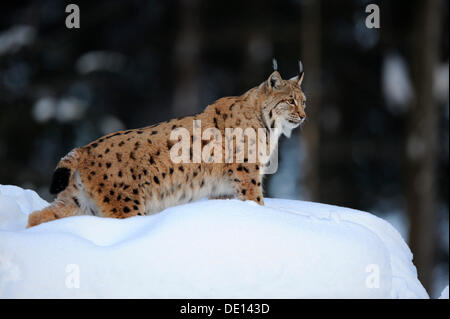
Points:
[(131, 172)]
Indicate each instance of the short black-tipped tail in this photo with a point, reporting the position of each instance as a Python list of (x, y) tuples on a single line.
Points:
[(60, 180)]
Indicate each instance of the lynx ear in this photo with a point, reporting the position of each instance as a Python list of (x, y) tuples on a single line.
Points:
[(300, 79), (297, 79), (275, 81)]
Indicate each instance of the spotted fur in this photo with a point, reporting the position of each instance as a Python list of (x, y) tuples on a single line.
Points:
[(130, 172)]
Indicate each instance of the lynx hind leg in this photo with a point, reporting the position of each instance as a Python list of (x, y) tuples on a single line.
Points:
[(56, 210)]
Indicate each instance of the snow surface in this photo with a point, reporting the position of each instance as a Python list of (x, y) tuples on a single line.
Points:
[(205, 249)]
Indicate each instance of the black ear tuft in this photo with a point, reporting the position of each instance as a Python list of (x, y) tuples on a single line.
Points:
[(60, 180)]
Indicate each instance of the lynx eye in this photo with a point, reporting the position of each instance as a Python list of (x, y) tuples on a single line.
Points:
[(291, 101)]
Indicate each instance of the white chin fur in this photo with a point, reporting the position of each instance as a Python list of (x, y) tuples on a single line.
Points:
[(288, 127)]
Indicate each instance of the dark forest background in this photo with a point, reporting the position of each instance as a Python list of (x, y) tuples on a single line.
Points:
[(377, 135)]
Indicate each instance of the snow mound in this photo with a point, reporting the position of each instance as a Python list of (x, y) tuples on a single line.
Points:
[(206, 249)]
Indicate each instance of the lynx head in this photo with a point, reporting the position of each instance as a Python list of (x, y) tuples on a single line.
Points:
[(283, 104)]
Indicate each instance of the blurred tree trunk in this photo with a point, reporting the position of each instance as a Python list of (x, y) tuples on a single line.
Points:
[(311, 45), (421, 146), (186, 60)]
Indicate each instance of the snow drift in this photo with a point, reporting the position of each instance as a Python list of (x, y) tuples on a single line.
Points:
[(206, 249)]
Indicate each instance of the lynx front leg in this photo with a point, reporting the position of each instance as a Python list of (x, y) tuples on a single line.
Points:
[(248, 183)]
